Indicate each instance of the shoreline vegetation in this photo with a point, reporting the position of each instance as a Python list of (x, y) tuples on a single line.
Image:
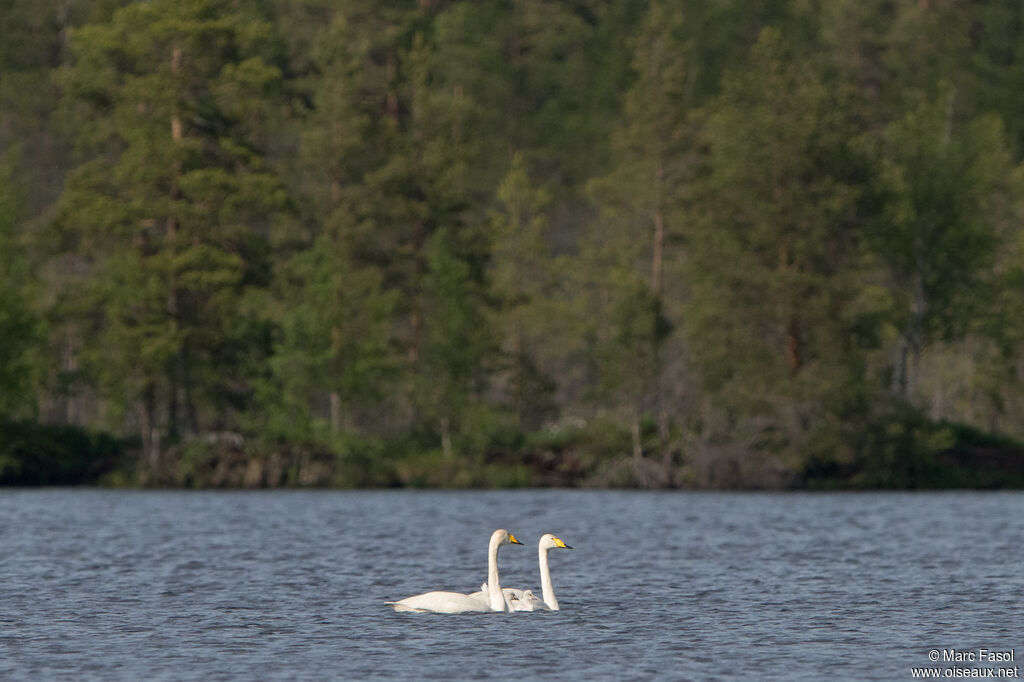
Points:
[(680, 244), (32, 454)]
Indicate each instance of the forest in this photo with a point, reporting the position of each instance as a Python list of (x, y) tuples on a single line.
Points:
[(757, 244)]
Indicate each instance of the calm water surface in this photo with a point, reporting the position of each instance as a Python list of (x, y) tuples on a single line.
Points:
[(291, 585)]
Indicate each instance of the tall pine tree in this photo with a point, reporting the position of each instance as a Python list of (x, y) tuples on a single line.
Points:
[(173, 212)]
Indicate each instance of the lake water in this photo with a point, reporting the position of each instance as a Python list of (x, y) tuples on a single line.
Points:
[(118, 585)]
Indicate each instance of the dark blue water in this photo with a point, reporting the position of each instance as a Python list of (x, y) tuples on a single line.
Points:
[(291, 585)]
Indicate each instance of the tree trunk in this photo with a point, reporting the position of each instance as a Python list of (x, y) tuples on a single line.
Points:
[(176, 373), (336, 371), (793, 358), (446, 437), (335, 396), (657, 268), (663, 438), (658, 248), (912, 340), (416, 314), (184, 381), (518, 369), (391, 98), (634, 430), (150, 430), (69, 364)]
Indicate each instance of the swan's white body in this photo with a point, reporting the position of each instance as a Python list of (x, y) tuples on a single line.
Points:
[(526, 600), (441, 602), (456, 602)]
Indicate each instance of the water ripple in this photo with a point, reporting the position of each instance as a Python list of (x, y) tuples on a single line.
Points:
[(290, 585)]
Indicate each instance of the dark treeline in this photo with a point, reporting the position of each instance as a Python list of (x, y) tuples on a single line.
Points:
[(512, 242)]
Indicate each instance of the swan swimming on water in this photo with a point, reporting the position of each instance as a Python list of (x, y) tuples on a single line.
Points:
[(456, 602), (526, 600)]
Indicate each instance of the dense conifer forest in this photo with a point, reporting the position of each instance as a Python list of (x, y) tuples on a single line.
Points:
[(728, 244)]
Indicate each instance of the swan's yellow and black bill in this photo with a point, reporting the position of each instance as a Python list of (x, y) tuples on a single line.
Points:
[(513, 540), (560, 543)]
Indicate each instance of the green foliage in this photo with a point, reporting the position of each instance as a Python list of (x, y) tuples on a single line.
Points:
[(522, 280), (333, 340), (943, 218), (459, 341), (34, 454), (515, 242), (21, 330), (901, 448), (768, 255), (170, 220)]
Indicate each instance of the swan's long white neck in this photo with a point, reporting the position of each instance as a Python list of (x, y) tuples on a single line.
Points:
[(494, 595), (545, 579)]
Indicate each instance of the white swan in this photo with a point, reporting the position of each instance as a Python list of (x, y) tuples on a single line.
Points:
[(526, 600), (456, 602)]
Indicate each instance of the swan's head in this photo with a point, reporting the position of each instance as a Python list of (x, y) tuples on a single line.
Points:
[(503, 537), (549, 541)]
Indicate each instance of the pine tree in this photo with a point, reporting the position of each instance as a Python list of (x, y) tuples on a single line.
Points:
[(333, 359), (770, 253), (459, 341), (642, 200), (21, 330), (522, 280), (771, 211), (173, 213)]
